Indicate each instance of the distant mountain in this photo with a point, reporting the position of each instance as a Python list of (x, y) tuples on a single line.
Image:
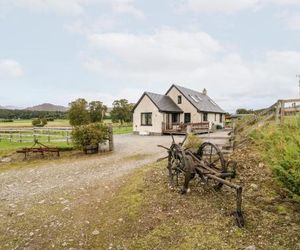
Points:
[(47, 107)]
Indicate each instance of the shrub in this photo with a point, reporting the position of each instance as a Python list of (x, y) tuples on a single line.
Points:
[(89, 135), (193, 142), (280, 148), (219, 126), (39, 122), (7, 120)]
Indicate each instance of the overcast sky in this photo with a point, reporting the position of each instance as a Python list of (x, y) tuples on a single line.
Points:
[(246, 53)]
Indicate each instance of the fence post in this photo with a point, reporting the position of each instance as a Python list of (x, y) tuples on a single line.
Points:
[(68, 137), (282, 112), (20, 137), (10, 137), (48, 135), (110, 138), (277, 112)]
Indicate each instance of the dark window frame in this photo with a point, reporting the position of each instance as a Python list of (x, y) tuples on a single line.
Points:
[(177, 116), (179, 99), (221, 118), (205, 116), (185, 117), (147, 114)]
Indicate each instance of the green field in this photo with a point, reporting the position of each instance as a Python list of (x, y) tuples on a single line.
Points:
[(10, 144), (27, 123)]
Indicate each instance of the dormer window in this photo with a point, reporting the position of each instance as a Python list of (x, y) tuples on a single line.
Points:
[(179, 99)]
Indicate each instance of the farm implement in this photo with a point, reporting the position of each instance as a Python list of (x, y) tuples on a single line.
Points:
[(208, 164), (38, 148)]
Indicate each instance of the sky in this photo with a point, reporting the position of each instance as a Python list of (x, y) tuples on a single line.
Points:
[(246, 53)]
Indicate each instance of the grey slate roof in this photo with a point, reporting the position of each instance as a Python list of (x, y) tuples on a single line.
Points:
[(163, 102), (202, 102)]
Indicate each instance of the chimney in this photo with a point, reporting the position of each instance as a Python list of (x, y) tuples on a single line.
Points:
[(204, 92)]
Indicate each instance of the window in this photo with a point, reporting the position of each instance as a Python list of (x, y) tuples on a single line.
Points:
[(215, 117), (179, 100), (187, 117), (205, 116), (194, 98), (221, 118), (212, 102), (146, 119), (175, 118), (200, 99)]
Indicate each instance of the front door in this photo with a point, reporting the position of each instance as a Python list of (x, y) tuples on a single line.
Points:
[(187, 117)]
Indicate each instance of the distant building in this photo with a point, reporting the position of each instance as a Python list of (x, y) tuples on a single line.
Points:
[(156, 114)]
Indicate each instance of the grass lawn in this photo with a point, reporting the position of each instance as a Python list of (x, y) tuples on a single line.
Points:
[(122, 130), (7, 147)]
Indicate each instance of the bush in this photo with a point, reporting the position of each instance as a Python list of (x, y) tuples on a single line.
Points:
[(193, 142), (39, 122), (219, 126), (7, 120), (280, 148), (89, 135)]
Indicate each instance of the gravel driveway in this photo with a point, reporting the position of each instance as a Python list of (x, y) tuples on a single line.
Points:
[(131, 151), (38, 199)]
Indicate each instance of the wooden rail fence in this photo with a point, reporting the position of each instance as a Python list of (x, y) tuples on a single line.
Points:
[(31, 134)]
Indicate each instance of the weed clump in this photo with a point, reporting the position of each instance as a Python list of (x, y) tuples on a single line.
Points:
[(193, 142)]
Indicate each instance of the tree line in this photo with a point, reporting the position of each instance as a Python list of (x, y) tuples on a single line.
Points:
[(29, 114), (81, 112)]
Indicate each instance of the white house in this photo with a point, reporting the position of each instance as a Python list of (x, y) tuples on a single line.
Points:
[(180, 106)]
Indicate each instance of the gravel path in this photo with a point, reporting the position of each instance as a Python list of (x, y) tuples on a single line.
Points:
[(131, 151)]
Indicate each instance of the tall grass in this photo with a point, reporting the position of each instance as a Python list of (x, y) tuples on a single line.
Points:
[(280, 147)]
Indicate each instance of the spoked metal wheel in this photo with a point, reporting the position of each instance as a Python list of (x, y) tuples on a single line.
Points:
[(176, 164), (212, 156)]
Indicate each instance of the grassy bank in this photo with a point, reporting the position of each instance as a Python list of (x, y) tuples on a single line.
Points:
[(279, 146), (142, 213)]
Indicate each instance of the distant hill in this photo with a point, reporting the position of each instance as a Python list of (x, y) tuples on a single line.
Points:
[(47, 107)]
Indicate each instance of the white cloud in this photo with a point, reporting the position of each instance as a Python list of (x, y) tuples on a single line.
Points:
[(227, 6), (196, 60), (74, 7), (293, 21), (230, 6), (10, 69), (127, 7), (60, 6)]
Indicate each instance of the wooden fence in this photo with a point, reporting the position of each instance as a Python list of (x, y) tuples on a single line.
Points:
[(21, 135), (45, 135), (278, 111)]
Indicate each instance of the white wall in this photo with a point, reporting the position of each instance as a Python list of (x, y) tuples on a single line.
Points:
[(145, 106), (212, 120), (185, 105)]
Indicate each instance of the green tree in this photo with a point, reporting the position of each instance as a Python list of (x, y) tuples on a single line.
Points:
[(78, 113), (122, 111), (97, 111)]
